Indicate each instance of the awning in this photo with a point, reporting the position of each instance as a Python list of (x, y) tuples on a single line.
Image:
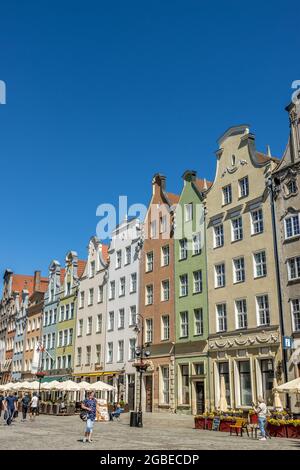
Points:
[(51, 378), (96, 374)]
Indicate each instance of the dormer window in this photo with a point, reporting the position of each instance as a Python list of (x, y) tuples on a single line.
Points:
[(291, 187), (233, 160)]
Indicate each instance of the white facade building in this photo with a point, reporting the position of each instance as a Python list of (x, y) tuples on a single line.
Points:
[(122, 308)]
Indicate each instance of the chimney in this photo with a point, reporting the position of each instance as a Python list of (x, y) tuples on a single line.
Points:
[(158, 180), (37, 280), (189, 175)]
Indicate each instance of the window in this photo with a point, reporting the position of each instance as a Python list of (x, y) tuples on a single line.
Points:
[(132, 345), (245, 383), (184, 324), (185, 387), (65, 340), (121, 318), (263, 313), (79, 356), (153, 229), (239, 270), (183, 251), (91, 296), (54, 315), (128, 255), (72, 311), (260, 264), (218, 235), (220, 275), (60, 339), (165, 384), (183, 282), (165, 327), (62, 313), (291, 187), (122, 287), (163, 224), (111, 321), (92, 268), (165, 255), (224, 372), (100, 294), (52, 341), (196, 244), (165, 290), (68, 288), (120, 351), (89, 325), (199, 368), (237, 229), (88, 355), (292, 226), (133, 279), (198, 321), (149, 330), (70, 342), (98, 353), (267, 378), (67, 312), (132, 316), (118, 259), (241, 313), (80, 327), (295, 303), (293, 265), (112, 290), (257, 220), (227, 194), (149, 261), (188, 212), (221, 318), (244, 186), (197, 288), (109, 352), (99, 323), (149, 294)]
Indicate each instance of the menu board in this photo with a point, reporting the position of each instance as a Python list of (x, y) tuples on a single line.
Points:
[(216, 423), (102, 410)]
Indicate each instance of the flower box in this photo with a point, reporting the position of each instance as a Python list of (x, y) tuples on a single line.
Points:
[(253, 419), (293, 431), (225, 425), (199, 422), (277, 431)]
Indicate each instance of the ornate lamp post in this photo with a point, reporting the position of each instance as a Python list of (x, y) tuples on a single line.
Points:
[(142, 353)]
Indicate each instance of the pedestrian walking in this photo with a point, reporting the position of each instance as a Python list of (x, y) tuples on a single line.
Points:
[(10, 407), (262, 412), (34, 406), (25, 405), (90, 405)]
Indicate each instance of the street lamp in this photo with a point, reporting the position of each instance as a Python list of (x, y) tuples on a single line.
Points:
[(142, 352)]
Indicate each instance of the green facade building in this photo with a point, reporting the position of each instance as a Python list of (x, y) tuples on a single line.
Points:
[(191, 303)]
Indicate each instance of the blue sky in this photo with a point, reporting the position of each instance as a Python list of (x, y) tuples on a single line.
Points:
[(101, 95)]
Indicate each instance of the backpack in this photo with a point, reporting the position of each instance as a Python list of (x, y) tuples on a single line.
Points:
[(83, 415)]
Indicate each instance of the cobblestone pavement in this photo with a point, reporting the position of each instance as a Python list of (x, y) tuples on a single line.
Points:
[(160, 432)]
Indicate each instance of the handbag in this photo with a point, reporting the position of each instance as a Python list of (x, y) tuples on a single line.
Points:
[(16, 413), (83, 415), (5, 416)]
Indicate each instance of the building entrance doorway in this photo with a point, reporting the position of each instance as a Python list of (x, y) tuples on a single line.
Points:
[(149, 392), (200, 397)]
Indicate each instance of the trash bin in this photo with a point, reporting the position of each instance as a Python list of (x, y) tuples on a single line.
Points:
[(136, 419)]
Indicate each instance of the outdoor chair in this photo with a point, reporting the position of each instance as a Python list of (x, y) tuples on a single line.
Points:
[(115, 415), (239, 426)]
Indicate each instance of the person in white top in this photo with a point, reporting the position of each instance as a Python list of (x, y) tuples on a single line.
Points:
[(262, 410), (34, 406)]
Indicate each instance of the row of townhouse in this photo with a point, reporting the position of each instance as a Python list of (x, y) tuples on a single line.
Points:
[(211, 275)]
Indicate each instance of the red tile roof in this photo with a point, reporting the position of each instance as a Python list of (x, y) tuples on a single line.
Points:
[(173, 198), (44, 284), (105, 252), (263, 158), (62, 275), (80, 268), (200, 183), (21, 282)]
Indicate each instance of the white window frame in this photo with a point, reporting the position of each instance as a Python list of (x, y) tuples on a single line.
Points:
[(262, 264), (241, 269), (222, 318), (227, 194), (237, 230), (257, 225), (241, 314), (218, 237), (265, 296), (293, 218), (220, 275)]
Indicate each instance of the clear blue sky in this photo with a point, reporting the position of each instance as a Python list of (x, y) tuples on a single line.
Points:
[(103, 94)]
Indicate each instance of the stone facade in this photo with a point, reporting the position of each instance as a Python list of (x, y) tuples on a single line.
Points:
[(157, 298), (244, 337), (91, 313), (286, 185), (191, 307), (122, 309)]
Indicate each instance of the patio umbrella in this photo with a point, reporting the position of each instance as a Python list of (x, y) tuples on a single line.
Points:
[(21, 386), (49, 386), (8, 386), (33, 385), (277, 401), (289, 387), (102, 386), (83, 385), (68, 386), (223, 405)]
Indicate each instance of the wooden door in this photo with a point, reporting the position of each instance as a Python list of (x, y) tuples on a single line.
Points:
[(149, 391)]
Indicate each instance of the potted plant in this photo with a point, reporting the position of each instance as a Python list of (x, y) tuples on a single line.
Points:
[(293, 428), (225, 423), (277, 427), (199, 422), (253, 418)]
